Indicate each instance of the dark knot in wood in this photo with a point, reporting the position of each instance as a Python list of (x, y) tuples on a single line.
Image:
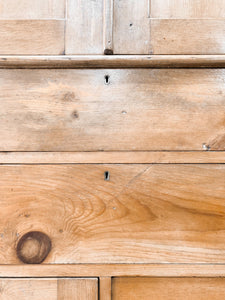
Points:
[(33, 247)]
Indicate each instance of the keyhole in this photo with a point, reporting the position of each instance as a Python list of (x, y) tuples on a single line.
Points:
[(107, 79), (107, 176)]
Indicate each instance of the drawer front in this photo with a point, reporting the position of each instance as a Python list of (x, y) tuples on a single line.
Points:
[(91, 110), (131, 214), (168, 288), (49, 289)]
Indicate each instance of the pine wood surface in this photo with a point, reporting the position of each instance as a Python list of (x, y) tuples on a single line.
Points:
[(48, 289), (141, 214), (77, 110)]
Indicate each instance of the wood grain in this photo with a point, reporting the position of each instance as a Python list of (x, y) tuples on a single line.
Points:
[(168, 288), (143, 214), (187, 36), (118, 157), (31, 37), (187, 9), (84, 27), (131, 34), (32, 9), (108, 27), (66, 110), (114, 270), (48, 289)]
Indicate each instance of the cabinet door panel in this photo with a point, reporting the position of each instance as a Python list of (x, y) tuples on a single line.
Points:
[(168, 288)]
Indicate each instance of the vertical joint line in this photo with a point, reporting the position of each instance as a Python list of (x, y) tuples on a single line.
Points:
[(108, 26), (149, 8)]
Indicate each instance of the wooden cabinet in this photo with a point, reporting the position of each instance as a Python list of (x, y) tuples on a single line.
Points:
[(112, 126)]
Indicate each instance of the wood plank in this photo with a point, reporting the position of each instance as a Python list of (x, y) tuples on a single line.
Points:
[(187, 36), (146, 157), (131, 34), (187, 9), (84, 27), (32, 9), (105, 288), (119, 270), (79, 289), (66, 110), (31, 37), (168, 288), (49, 289), (142, 214), (113, 61)]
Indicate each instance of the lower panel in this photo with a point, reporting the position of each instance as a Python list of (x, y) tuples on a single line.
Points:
[(168, 288), (49, 289)]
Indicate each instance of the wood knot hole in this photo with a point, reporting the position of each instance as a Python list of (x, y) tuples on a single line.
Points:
[(33, 247)]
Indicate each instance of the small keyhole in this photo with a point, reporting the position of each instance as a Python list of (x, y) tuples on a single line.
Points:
[(107, 79), (107, 176)]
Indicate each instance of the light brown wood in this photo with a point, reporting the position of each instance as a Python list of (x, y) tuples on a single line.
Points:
[(142, 214), (106, 270), (32, 9), (133, 157), (112, 61), (48, 289), (31, 37), (79, 289), (169, 9), (168, 288), (84, 27), (105, 288), (66, 110), (187, 36), (131, 34)]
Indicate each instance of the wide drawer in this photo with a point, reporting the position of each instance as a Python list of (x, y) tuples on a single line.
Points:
[(49, 289), (91, 110), (112, 213)]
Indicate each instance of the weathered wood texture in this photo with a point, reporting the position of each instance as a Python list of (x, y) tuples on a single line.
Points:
[(131, 34), (169, 27), (32, 9), (187, 36), (168, 288), (48, 289), (143, 214), (84, 29), (188, 9), (74, 110), (31, 37)]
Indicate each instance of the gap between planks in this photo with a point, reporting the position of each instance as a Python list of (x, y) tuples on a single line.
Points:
[(136, 157), (112, 61)]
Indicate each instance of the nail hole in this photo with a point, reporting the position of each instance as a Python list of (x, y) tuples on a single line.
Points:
[(131, 24), (107, 79), (107, 176)]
